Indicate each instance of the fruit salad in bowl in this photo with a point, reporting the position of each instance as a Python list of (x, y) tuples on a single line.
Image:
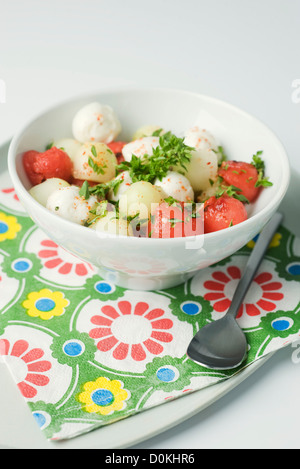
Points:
[(157, 185), (122, 176)]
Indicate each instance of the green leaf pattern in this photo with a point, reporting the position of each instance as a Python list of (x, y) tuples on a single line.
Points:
[(85, 353)]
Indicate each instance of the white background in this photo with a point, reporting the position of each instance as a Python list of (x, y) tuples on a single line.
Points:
[(245, 52)]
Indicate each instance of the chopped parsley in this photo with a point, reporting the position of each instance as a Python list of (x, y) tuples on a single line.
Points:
[(84, 190), (173, 221), (50, 145), (231, 191), (222, 155), (171, 201), (171, 152), (157, 133), (94, 151), (260, 166), (97, 168), (99, 212), (99, 190)]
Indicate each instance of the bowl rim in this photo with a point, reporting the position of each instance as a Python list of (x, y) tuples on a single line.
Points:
[(269, 208)]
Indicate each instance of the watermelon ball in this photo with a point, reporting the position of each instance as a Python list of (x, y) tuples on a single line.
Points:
[(117, 148), (242, 175), (223, 212), (53, 163)]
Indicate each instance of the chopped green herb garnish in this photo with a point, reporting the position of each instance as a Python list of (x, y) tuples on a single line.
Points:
[(171, 152), (171, 201), (257, 161), (130, 218), (173, 221), (50, 145), (94, 151), (157, 133), (263, 182), (99, 190), (98, 169), (222, 155), (95, 167), (232, 191), (84, 190), (99, 212), (260, 166)]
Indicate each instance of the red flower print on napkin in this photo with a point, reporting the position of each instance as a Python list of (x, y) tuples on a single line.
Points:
[(26, 365), (129, 330), (263, 292)]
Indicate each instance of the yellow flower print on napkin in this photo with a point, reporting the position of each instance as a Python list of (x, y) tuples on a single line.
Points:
[(45, 304), (273, 244), (103, 396), (9, 227)]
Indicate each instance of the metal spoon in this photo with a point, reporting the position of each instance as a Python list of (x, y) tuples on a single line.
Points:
[(221, 344)]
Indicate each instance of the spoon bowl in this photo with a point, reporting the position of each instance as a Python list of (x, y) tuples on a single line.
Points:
[(221, 345)]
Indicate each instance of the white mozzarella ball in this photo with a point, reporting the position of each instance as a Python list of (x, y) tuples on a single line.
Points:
[(96, 122), (67, 203), (68, 145), (125, 182), (41, 192), (202, 170), (201, 139), (112, 225), (177, 186), (140, 147), (138, 200), (102, 158), (146, 131)]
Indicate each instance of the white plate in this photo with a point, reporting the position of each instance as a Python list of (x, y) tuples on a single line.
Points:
[(19, 430)]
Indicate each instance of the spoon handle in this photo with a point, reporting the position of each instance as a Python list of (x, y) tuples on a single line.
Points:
[(254, 262)]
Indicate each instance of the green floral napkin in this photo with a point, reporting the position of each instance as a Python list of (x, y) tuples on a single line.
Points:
[(85, 353)]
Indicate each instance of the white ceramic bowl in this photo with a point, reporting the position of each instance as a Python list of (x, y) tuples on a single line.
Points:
[(143, 263)]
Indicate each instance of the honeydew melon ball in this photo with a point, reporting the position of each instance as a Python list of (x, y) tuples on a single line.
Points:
[(125, 182), (41, 192), (68, 145), (146, 131), (112, 225), (138, 200), (103, 162), (202, 169)]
